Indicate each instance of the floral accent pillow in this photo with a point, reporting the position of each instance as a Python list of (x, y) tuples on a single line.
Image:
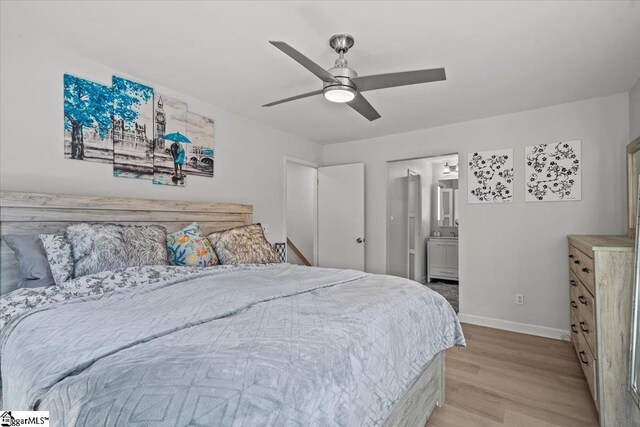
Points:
[(58, 252), (189, 247), (243, 245)]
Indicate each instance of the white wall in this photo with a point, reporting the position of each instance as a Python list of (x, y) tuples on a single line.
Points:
[(520, 247), (301, 210), (634, 111), (248, 158)]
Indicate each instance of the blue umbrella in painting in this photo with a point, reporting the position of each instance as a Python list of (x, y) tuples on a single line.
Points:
[(177, 152), (177, 137)]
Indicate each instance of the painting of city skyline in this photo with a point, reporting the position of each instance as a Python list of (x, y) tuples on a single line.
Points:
[(132, 129), (200, 153), (87, 120), (170, 122), (142, 133)]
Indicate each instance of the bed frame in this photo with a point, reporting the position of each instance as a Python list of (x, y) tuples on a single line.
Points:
[(31, 213), (427, 391)]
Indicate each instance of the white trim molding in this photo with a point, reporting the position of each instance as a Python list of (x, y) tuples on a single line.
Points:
[(507, 325)]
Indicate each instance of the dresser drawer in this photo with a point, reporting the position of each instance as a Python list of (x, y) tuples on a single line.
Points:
[(575, 328), (587, 361), (586, 317), (574, 291), (582, 266)]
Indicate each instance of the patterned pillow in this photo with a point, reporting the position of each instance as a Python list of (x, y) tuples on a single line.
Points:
[(109, 247), (58, 252), (243, 245), (189, 247)]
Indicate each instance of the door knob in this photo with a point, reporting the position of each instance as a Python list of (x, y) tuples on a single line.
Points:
[(360, 240)]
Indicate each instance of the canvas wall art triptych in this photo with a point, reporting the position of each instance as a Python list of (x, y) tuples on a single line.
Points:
[(144, 134), (552, 172)]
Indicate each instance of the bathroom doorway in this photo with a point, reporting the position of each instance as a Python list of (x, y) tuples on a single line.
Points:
[(422, 222)]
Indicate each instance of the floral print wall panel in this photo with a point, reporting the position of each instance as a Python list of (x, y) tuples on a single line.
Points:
[(490, 176), (553, 172)]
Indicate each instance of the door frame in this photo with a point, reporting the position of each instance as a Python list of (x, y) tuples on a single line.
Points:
[(386, 195), (417, 226), (315, 166)]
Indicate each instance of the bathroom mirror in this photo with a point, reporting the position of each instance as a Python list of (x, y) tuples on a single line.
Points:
[(634, 378), (447, 203), (633, 171)]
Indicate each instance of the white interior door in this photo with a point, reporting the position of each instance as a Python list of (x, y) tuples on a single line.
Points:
[(341, 237)]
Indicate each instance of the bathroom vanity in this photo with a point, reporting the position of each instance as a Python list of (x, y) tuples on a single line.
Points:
[(442, 258)]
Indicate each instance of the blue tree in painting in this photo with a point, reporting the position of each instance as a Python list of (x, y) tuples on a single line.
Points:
[(86, 104), (127, 97)]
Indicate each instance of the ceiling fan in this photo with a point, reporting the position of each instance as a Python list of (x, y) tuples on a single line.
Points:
[(342, 84)]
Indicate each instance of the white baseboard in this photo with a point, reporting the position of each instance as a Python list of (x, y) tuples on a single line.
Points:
[(523, 328)]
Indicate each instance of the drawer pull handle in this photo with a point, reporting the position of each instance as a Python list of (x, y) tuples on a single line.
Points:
[(570, 255), (573, 304), (576, 261), (583, 300), (573, 328), (586, 270), (573, 283), (582, 327), (582, 353)]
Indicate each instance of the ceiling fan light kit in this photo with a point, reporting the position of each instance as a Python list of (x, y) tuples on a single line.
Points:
[(341, 84), (339, 93)]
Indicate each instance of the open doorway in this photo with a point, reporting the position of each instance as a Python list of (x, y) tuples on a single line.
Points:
[(422, 222), (301, 212), (324, 214)]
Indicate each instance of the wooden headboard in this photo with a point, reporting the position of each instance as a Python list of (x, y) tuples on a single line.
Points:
[(35, 213)]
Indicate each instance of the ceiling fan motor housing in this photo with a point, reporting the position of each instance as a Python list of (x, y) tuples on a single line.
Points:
[(341, 43), (342, 73)]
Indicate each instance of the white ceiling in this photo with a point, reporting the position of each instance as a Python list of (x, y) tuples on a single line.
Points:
[(500, 57)]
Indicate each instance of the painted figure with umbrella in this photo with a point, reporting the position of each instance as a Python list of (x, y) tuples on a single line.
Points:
[(178, 153)]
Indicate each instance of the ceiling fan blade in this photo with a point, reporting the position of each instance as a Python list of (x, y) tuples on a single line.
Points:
[(322, 74), (362, 106), (381, 81), (293, 98)]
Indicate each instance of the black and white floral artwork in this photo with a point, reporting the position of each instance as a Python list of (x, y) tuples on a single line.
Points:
[(553, 172), (491, 176)]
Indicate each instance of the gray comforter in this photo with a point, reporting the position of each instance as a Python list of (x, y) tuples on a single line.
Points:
[(234, 346)]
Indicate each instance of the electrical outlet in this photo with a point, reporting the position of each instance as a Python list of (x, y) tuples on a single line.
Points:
[(519, 299), (265, 228)]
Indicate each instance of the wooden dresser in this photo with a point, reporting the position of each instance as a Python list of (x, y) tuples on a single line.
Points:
[(600, 289)]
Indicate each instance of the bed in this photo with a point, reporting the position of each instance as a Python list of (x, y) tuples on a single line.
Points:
[(230, 345)]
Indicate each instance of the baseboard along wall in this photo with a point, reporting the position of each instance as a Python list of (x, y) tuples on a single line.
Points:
[(523, 328)]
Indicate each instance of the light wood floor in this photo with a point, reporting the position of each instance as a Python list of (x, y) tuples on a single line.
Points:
[(508, 379)]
